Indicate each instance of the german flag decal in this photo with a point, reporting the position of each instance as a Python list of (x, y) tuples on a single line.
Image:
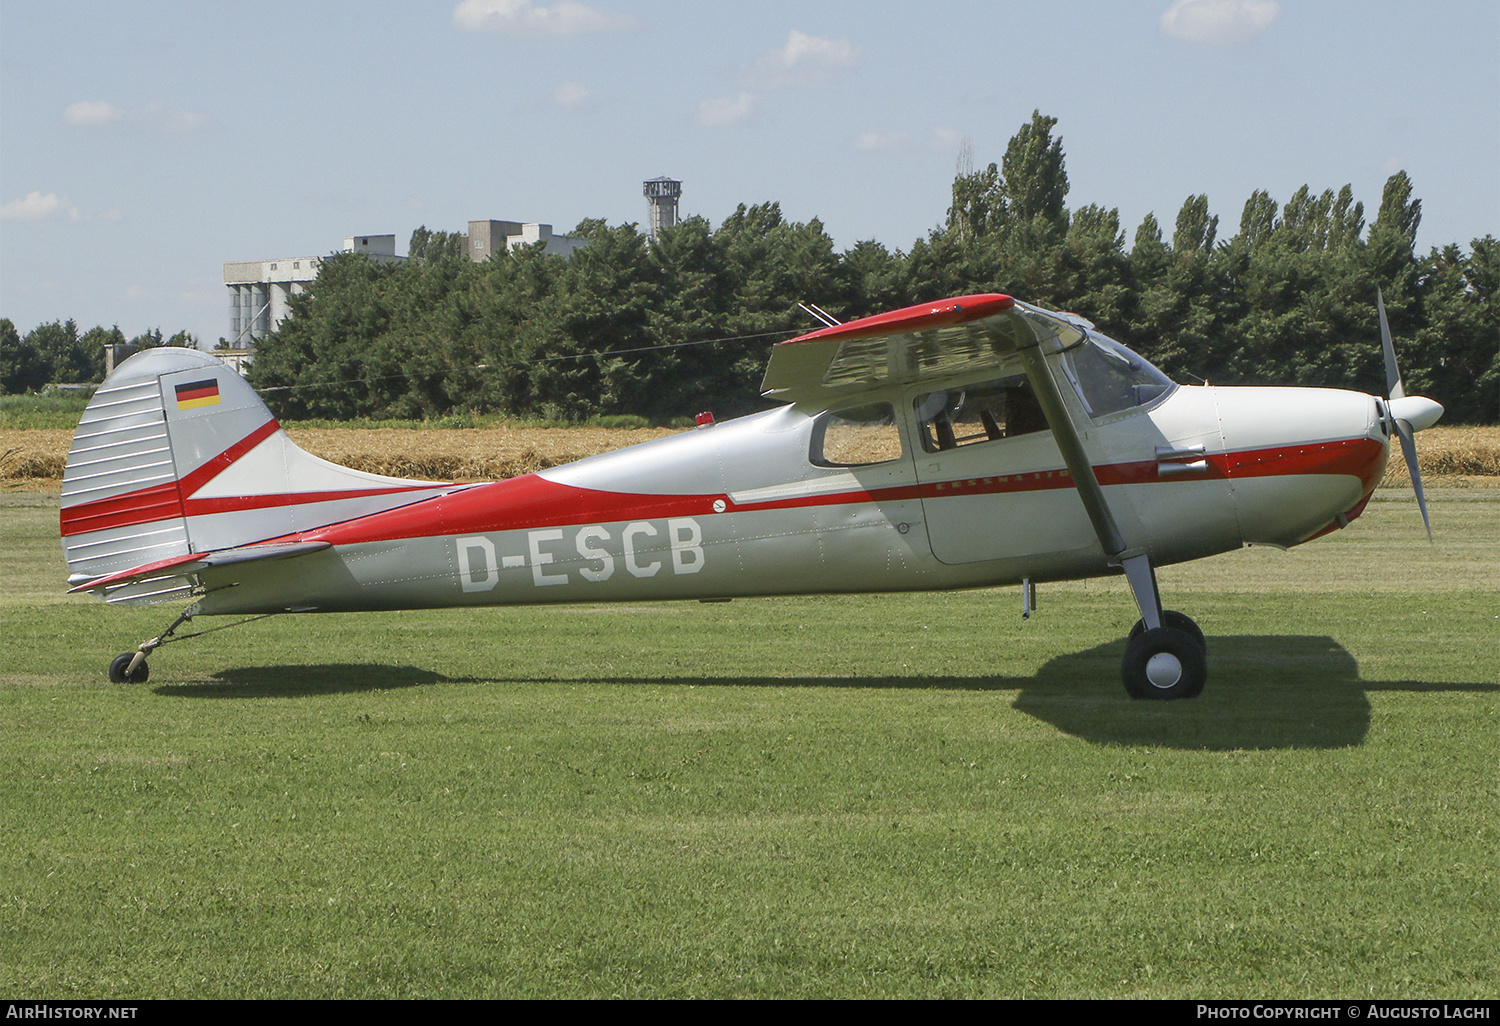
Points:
[(198, 393)]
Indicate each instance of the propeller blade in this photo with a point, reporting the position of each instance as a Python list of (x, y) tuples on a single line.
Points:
[(1409, 452), (1406, 414), (1393, 389)]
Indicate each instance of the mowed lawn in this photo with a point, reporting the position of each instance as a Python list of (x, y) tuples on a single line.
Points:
[(905, 796)]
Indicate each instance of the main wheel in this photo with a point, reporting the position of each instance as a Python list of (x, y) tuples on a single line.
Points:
[(119, 670), (1164, 664), (1179, 621)]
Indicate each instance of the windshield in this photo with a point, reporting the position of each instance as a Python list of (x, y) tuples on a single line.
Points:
[(1110, 378)]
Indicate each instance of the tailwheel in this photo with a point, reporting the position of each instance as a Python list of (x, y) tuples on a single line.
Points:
[(1164, 663), (1179, 621), (129, 668)]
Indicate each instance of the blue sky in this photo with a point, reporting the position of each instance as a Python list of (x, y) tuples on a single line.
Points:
[(144, 144)]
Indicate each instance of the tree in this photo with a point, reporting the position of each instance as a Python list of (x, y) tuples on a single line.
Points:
[(22, 366), (1455, 354), (1393, 238), (95, 341), (1101, 288), (151, 338), (979, 204), (1036, 184), (67, 358), (1258, 221), (430, 246), (1196, 229)]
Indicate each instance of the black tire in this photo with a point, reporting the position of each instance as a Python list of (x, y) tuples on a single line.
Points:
[(1178, 621), (1164, 664), (120, 665)]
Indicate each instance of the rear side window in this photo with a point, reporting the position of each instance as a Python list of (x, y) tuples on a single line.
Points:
[(856, 436)]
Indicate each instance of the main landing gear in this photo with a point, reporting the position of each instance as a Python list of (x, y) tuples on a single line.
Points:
[(1165, 662), (1166, 656)]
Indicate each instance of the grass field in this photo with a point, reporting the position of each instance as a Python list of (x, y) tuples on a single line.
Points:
[(906, 796)]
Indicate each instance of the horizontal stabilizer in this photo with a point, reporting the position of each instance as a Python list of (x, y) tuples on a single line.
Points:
[(192, 562)]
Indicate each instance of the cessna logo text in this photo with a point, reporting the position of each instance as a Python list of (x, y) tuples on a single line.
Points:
[(594, 553)]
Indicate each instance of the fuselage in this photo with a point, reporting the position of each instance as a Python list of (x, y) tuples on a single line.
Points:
[(753, 507)]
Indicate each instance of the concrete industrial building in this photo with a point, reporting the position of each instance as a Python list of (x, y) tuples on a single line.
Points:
[(662, 195), (486, 238), (260, 290)]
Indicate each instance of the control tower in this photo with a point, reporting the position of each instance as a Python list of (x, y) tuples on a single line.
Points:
[(662, 195)]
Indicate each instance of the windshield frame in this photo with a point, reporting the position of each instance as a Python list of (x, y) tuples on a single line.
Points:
[(1104, 399)]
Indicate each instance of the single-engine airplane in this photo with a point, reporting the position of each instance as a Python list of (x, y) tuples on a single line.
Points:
[(972, 442)]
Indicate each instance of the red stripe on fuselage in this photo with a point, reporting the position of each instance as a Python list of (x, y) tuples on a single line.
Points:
[(532, 501)]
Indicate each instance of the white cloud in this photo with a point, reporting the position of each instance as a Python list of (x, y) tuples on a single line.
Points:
[(1219, 21), (895, 140), (92, 113), (804, 61), (39, 206), (103, 114), (723, 111), (525, 18), (570, 96)]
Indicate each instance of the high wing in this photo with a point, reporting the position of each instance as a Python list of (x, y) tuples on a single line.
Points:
[(934, 341), (927, 342)]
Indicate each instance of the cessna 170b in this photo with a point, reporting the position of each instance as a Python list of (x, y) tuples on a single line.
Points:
[(973, 442)]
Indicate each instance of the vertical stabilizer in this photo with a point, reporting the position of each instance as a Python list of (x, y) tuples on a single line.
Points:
[(176, 454)]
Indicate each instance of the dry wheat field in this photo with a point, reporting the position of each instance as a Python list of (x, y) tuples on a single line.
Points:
[(35, 458)]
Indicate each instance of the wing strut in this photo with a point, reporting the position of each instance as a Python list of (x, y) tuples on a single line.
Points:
[(1135, 562)]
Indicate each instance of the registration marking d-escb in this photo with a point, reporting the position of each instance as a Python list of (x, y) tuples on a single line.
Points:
[(601, 552)]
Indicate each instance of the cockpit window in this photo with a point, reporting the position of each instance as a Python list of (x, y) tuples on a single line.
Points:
[(856, 436), (1110, 378), (981, 412)]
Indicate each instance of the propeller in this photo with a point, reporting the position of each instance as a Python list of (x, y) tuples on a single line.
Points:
[(1406, 413)]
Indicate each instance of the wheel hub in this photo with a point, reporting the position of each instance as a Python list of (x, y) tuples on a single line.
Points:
[(1163, 670)]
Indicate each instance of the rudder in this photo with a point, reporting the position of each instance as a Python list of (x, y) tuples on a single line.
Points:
[(176, 454)]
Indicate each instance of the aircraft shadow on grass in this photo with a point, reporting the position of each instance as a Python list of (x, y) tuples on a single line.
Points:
[(1281, 692), (314, 679)]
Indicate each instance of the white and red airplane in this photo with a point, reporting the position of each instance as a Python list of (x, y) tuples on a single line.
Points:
[(973, 442)]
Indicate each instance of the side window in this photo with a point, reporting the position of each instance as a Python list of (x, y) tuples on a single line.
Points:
[(856, 436), (981, 412)]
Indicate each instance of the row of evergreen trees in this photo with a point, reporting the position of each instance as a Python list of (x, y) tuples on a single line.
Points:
[(615, 328), (56, 353), (666, 328)]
